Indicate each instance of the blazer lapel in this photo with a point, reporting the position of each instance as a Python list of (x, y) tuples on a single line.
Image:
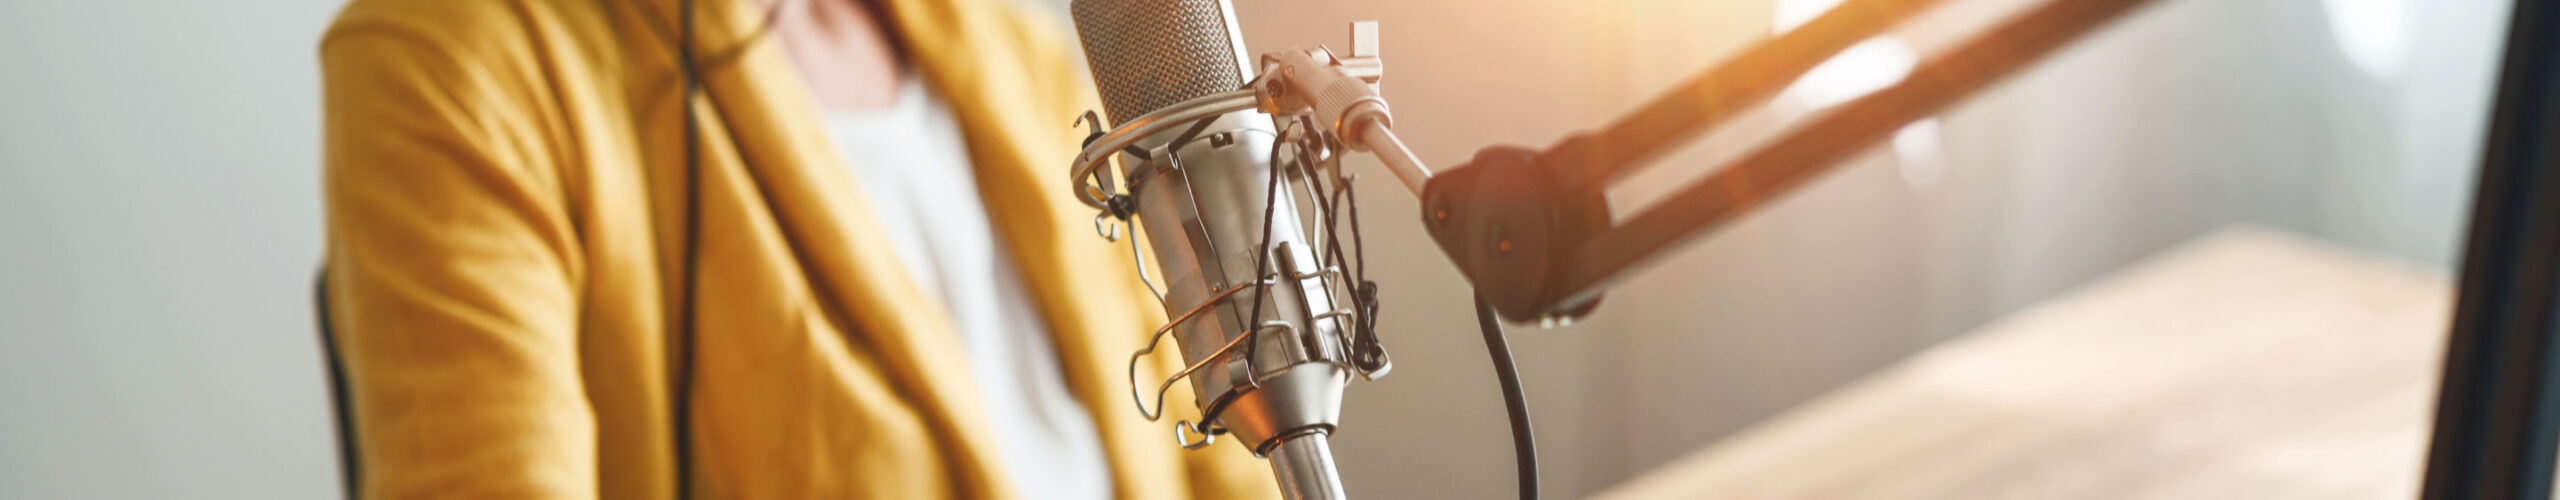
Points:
[(770, 131)]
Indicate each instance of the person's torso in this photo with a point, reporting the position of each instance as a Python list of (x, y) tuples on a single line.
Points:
[(814, 375), (914, 169)]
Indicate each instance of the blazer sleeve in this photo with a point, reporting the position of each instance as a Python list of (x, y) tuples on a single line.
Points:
[(452, 267)]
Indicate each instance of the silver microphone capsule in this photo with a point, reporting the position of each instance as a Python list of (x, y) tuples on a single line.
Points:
[(1261, 320)]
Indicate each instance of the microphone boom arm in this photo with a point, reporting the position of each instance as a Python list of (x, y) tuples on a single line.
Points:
[(1532, 229)]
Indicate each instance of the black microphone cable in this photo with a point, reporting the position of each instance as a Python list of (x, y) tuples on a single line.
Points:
[(1524, 444), (681, 397)]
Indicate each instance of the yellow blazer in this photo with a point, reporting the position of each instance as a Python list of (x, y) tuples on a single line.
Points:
[(505, 187)]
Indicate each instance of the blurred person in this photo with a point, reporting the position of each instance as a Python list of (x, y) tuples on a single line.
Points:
[(887, 296)]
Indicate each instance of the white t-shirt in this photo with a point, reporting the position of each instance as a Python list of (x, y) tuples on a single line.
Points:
[(913, 163)]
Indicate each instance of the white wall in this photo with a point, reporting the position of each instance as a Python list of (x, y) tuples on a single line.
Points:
[(159, 227), (159, 224)]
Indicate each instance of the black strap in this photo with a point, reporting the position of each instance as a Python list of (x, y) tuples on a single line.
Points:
[(350, 463)]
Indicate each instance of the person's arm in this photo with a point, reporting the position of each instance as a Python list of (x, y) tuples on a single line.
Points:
[(452, 269)]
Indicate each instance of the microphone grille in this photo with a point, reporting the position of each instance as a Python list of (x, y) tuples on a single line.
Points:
[(1148, 54)]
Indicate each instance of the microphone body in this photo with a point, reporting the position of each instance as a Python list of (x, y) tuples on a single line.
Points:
[(1271, 373)]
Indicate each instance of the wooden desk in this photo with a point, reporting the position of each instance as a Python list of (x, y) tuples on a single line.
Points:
[(2244, 364)]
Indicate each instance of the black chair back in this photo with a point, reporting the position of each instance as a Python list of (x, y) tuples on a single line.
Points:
[(350, 464)]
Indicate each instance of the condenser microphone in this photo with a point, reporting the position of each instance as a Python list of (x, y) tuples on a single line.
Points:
[(1257, 317)]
